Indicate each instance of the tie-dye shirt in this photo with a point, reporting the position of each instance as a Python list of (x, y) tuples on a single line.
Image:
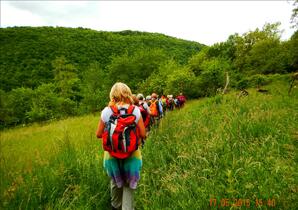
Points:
[(127, 170)]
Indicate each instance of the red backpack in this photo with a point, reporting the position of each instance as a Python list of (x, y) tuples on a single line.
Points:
[(121, 136), (145, 115), (181, 99)]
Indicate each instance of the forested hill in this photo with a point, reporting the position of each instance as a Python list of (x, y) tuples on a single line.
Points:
[(27, 53), (50, 73)]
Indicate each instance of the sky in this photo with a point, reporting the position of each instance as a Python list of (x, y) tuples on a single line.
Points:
[(207, 22)]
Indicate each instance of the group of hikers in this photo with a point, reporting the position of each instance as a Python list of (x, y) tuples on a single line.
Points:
[(153, 107), (123, 126)]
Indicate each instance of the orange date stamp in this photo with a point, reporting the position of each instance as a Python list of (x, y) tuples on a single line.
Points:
[(242, 202)]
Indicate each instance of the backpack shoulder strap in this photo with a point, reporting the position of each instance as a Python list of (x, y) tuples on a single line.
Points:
[(130, 109), (114, 109)]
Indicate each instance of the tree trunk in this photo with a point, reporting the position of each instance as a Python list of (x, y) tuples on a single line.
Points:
[(227, 83)]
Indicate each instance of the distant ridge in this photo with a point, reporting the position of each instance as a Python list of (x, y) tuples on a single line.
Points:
[(27, 52)]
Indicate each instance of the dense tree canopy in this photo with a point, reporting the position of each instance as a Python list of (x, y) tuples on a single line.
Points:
[(27, 53), (49, 73)]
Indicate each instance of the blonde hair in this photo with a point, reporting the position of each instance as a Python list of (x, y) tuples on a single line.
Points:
[(120, 92)]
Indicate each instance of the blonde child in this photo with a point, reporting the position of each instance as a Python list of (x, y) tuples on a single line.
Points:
[(124, 173)]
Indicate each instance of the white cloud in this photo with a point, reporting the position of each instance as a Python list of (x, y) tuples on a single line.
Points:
[(12, 16), (52, 13), (202, 21)]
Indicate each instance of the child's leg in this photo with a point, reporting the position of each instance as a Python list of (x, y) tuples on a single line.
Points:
[(116, 195), (128, 198)]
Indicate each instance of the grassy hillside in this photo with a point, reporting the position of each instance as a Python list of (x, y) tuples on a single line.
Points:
[(243, 150), (27, 53), (225, 148)]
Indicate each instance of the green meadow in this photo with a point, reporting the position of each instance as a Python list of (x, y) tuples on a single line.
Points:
[(222, 152)]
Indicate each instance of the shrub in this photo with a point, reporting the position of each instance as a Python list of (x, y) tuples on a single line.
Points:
[(259, 80)]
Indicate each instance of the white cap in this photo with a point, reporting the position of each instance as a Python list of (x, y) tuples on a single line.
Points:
[(140, 95)]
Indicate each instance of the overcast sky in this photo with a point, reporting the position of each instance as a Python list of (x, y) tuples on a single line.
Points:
[(202, 21)]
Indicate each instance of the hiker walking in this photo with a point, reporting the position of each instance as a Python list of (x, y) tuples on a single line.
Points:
[(145, 110), (171, 103), (181, 100), (120, 127), (148, 100), (163, 102), (155, 109), (160, 107)]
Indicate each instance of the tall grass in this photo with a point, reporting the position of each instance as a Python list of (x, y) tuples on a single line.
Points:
[(57, 166), (224, 148), (216, 148)]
